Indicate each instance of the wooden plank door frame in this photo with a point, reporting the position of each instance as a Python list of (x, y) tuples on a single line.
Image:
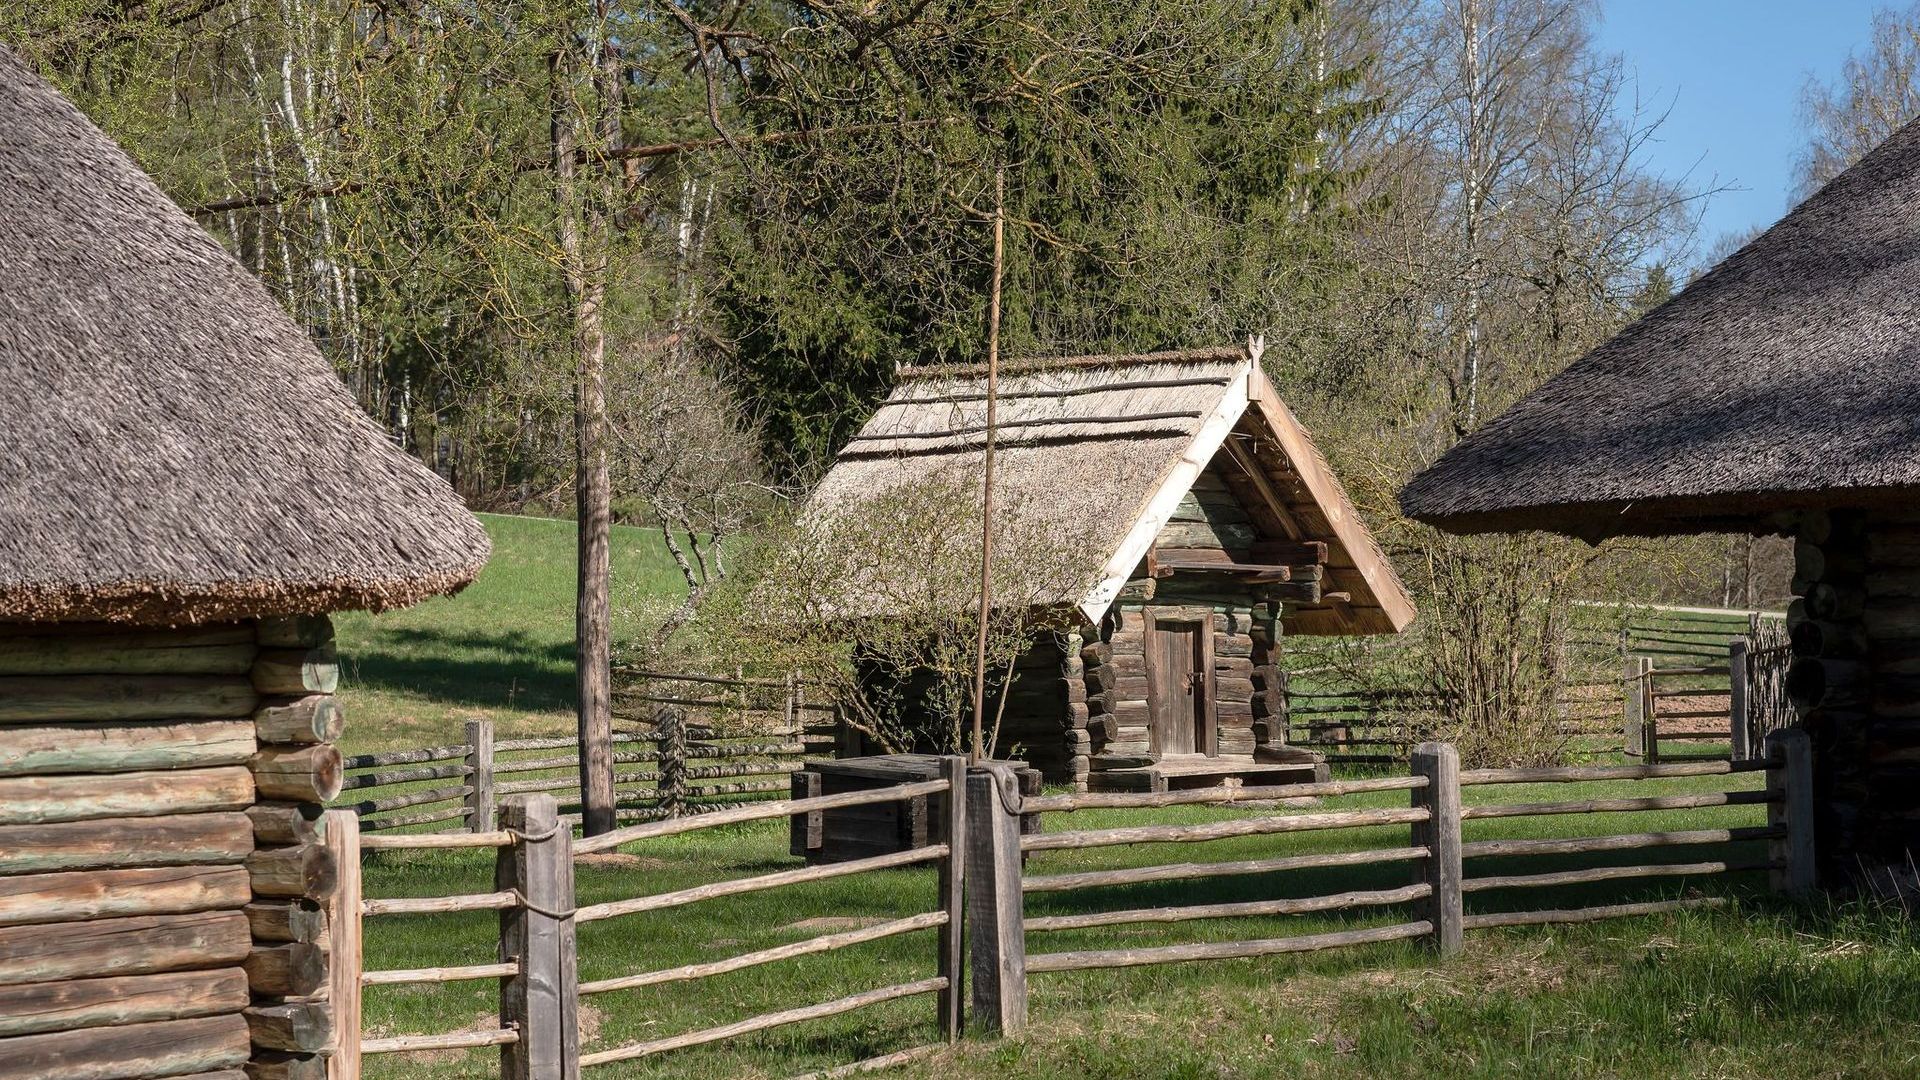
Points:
[(1206, 715)]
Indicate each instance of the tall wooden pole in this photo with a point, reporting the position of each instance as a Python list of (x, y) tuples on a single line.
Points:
[(585, 258), (986, 484)]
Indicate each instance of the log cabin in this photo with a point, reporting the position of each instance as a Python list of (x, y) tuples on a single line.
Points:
[(1778, 394), (1199, 524), (186, 490)]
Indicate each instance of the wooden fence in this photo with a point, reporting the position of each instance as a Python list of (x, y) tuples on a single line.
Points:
[(676, 751), (985, 877), (540, 988), (1699, 675), (1758, 690), (1361, 727), (1688, 674), (735, 702), (1443, 868)]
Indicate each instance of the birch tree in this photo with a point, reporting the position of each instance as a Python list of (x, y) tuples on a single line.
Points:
[(1876, 93)]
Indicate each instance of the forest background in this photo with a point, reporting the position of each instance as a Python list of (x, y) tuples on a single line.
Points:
[(654, 261)]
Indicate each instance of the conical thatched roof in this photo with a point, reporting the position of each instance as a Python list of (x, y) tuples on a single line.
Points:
[(1786, 378), (1093, 455), (173, 448)]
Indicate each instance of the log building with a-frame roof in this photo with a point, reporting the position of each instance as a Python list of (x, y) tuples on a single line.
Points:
[(1209, 526), (186, 489), (1777, 394)]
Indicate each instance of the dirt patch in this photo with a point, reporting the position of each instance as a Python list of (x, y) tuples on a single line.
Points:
[(836, 922), (1720, 705), (590, 1020), (619, 860)]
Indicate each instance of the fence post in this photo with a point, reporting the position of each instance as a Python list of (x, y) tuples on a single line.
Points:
[(1439, 763), (1635, 691), (807, 832), (479, 774), (672, 785), (1650, 709), (1741, 733), (953, 897), (342, 830), (997, 940), (1633, 729), (542, 1001), (1791, 785)]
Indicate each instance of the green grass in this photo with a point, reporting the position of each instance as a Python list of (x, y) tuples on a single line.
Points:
[(501, 648), (1759, 989)]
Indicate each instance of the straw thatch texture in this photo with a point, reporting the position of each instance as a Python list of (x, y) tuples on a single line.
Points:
[(1083, 447), (1074, 463), (175, 449), (1788, 377)]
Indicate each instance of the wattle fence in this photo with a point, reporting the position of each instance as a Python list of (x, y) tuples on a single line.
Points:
[(994, 879)]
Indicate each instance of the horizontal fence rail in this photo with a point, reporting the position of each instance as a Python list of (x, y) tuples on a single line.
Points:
[(1190, 870), (937, 984), (823, 943), (1219, 830)]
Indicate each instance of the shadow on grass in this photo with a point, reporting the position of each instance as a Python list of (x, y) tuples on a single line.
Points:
[(491, 670)]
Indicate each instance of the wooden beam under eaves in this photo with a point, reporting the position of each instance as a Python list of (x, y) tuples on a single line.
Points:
[(1263, 486), (1166, 562)]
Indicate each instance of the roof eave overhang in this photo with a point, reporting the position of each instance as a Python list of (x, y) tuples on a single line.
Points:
[(1389, 596), (1758, 513)]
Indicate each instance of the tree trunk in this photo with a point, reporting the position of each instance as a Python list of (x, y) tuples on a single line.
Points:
[(582, 223), (1473, 197)]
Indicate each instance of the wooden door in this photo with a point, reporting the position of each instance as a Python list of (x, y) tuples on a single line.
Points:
[(1179, 705)]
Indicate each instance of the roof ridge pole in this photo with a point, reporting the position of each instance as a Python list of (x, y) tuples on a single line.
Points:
[(986, 481)]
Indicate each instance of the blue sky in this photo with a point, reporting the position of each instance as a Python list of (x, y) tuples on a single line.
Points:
[(1732, 71)]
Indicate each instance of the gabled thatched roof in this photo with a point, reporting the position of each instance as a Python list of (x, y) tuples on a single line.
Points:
[(1093, 454), (1788, 377), (173, 448)]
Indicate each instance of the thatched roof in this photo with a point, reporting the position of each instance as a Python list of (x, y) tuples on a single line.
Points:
[(175, 449), (1093, 455), (1786, 378)]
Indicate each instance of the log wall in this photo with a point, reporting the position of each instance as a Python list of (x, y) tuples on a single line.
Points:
[(1855, 681), (1034, 725), (159, 794), (296, 771)]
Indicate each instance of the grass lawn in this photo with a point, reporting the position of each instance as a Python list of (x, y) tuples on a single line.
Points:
[(1758, 989), (502, 648)]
